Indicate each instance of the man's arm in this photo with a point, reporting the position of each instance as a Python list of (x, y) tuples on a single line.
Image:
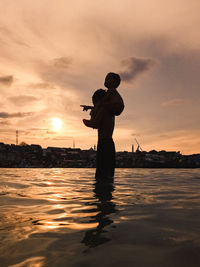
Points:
[(115, 108), (113, 102)]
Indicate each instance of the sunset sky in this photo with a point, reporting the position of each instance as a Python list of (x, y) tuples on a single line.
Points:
[(55, 54)]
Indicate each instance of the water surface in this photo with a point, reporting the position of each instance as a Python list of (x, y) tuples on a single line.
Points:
[(63, 217)]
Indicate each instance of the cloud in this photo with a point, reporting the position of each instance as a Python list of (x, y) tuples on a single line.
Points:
[(8, 130), (61, 138), (135, 66), (50, 132), (135, 134), (42, 85), (6, 115), (6, 80), (21, 100), (174, 102), (4, 123), (12, 36), (37, 129), (62, 62), (57, 72)]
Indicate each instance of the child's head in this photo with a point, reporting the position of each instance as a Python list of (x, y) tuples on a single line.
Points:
[(112, 80), (98, 95)]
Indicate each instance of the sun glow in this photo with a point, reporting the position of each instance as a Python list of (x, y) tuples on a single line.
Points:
[(56, 123)]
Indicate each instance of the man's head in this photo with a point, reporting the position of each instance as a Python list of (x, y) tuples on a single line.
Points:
[(98, 95), (112, 80)]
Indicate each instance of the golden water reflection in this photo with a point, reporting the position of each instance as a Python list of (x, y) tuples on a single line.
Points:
[(31, 262), (49, 216)]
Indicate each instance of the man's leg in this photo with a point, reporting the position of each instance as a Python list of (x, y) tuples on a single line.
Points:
[(110, 158), (105, 161), (99, 160)]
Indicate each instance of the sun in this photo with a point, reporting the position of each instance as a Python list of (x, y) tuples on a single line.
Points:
[(56, 123)]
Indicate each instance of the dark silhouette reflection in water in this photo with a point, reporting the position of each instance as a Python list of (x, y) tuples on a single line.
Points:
[(103, 193)]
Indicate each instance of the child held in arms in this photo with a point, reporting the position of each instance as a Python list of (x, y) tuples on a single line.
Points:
[(112, 101), (107, 105)]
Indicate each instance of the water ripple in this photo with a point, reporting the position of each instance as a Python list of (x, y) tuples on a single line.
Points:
[(66, 211)]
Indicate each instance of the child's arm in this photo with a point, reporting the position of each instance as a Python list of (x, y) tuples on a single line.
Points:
[(85, 107), (96, 117)]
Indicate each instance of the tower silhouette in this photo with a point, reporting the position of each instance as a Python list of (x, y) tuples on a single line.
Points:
[(17, 133)]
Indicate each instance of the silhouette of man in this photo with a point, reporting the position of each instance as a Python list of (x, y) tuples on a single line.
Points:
[(103, 119)]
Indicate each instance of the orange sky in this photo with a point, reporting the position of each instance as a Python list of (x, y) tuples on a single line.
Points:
[(54, 54)]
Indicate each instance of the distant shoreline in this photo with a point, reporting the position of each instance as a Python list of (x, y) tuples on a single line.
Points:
[(34, 156)]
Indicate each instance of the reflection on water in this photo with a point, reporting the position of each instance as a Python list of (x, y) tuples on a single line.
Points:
[(63, 217), (35, 261), (103, 193)]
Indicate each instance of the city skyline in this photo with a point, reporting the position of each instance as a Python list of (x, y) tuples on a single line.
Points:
[(53, 59)]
